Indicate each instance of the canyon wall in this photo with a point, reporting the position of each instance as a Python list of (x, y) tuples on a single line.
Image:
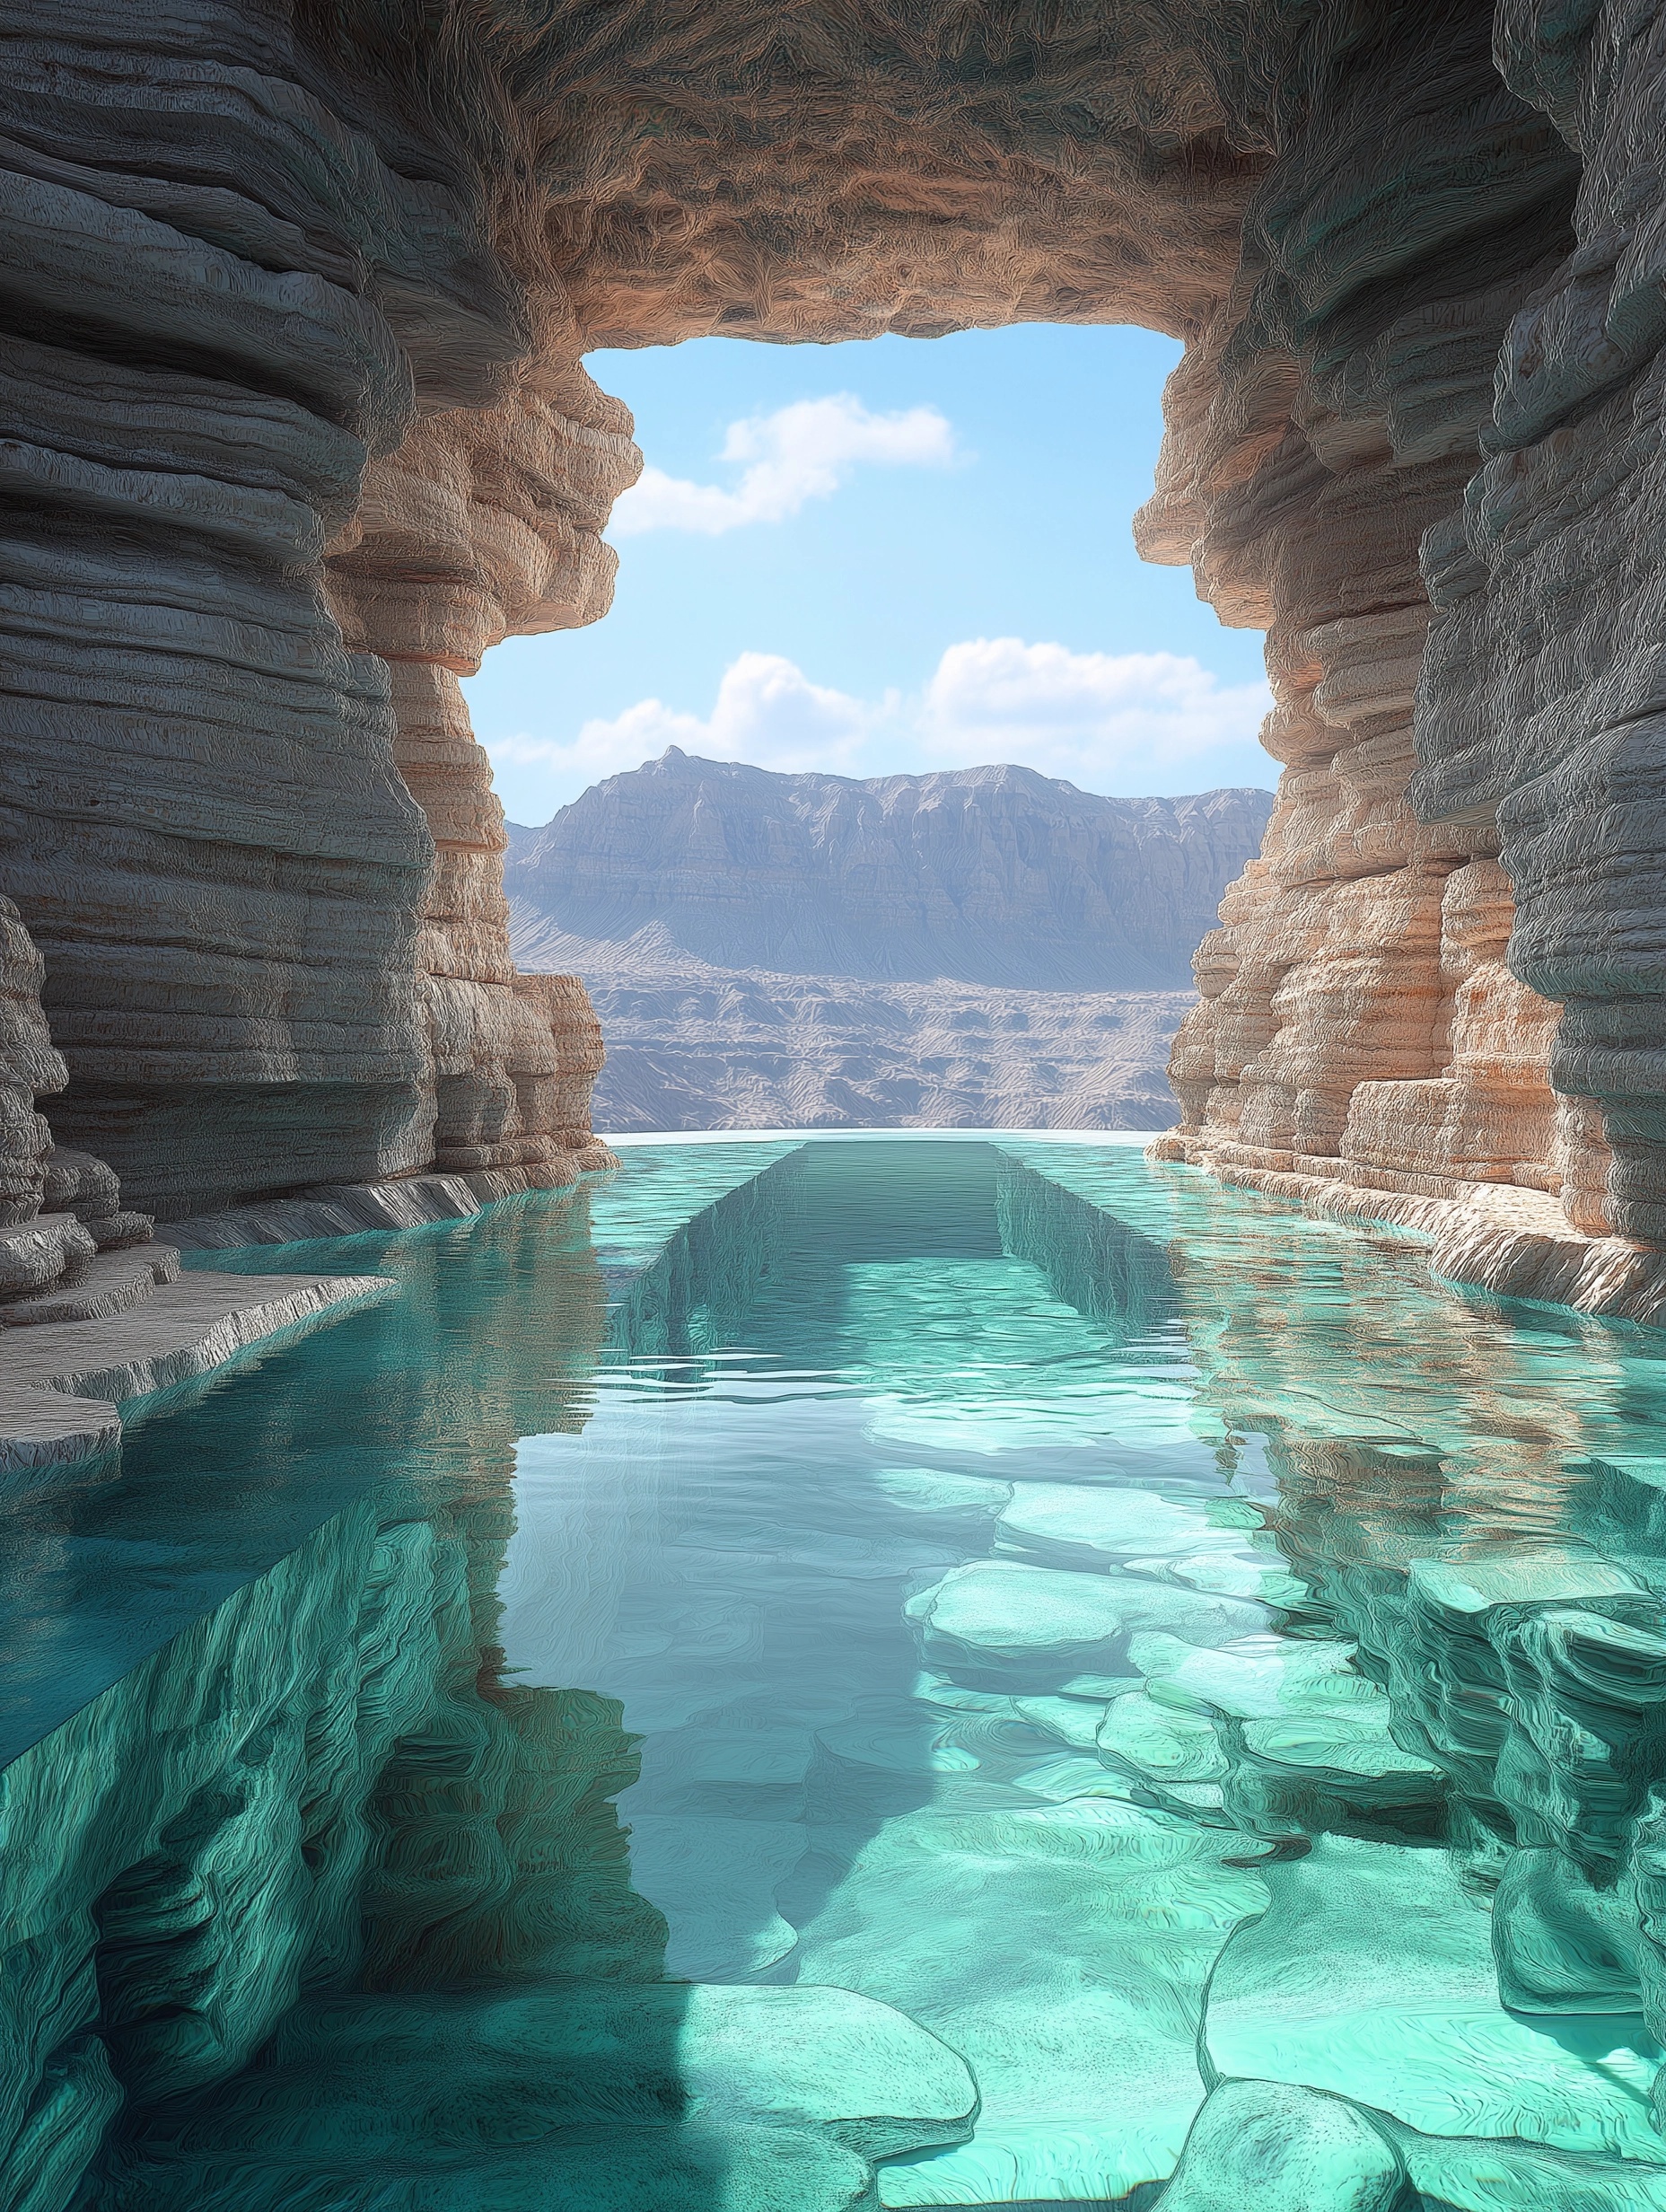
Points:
[(222, 309), (481, 525), (978, 948), (1441, 979), (293, 426), (291, 321)]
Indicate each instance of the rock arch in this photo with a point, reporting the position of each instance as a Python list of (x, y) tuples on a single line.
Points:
[(294, 303)]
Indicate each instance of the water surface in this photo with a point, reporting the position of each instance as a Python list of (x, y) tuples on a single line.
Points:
[(810, 1669)]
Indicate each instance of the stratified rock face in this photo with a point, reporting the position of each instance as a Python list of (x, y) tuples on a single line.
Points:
[(987, 875), (1542, 701), (316, 276), (220, 300), (483, 523), (1360, 1022), (223, 869), (692, 1046), (28, 1066)]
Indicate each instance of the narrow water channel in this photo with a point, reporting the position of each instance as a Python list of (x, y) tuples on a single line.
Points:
[(814, 1674)]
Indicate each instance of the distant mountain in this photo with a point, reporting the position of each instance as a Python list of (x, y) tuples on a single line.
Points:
[(985, 877), (982, 948)]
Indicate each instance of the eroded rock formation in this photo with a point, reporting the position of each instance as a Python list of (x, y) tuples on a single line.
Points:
[(483, 523), (979, 948), (1439, 979), (222, 303), (296, 279)]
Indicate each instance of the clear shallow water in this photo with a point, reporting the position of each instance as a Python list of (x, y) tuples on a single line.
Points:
[(1121, 1635)]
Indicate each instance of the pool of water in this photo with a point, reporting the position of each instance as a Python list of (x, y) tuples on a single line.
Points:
[(811, 1674)]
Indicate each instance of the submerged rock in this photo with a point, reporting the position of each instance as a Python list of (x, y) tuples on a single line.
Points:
[(510, 2086), (1266, 2146), (1370, 1977), (1042, 1627)]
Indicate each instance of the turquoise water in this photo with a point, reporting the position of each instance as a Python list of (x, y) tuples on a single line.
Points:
[(819, 1674)]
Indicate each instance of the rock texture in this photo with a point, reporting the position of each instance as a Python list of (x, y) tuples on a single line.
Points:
[(484, 524), (1439, 976), (292, 425), (227, 294)]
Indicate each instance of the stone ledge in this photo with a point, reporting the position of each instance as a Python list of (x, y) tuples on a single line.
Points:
[(407, 1202), (107, 1285), (60, 1383), (1506, 1238), (36, 1254)]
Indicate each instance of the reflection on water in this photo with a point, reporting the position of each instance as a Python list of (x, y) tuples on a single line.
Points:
[(819, 1674)]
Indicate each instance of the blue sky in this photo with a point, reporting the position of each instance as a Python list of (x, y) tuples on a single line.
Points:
[(891, 556)]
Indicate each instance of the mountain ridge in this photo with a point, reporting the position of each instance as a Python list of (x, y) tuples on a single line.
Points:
[(990, 876)]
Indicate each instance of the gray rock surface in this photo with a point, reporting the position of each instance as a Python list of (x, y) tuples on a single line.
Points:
[(229, 282), (61, 1383), (982, 875)]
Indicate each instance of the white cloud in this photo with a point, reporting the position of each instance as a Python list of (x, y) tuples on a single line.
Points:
[(802, 452), (1083, 715), (766, 712), (1116, 722)]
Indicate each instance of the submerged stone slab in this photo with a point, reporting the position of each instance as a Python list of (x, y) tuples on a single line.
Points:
[(1074, 1521), (1266, 2146), (511, 2086), (1474, 2176), (1161, 1742), (1543, 1576), (1084, 2047), (600, 2168), (715, 1879), (1042, 1626), (1370, 1977), (1258, 1677)]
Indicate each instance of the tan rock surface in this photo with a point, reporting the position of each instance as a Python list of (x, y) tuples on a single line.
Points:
[(484, 522)]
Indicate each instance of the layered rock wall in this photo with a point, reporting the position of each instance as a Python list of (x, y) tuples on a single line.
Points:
[(1443, 977), (1357, 1021), (220, 303), (483, 523), (295, 280)]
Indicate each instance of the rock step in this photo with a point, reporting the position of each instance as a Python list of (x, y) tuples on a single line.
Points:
[(405, 1202), (110, 1284), (36, 1254), (60, 1388), (110, 1231)]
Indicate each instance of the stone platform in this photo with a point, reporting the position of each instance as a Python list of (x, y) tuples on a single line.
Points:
[(61, 1381)]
